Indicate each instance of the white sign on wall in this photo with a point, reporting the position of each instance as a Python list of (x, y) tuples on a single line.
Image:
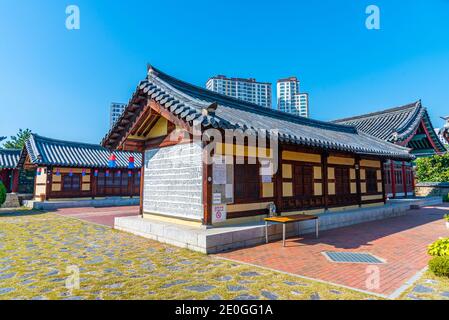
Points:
[(218, 213), (216, 198), (219, 173)]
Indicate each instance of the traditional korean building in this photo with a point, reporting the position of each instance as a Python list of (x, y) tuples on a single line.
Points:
[(67, 169), (9, 174), (300, 165), (445, 130), (408, 126)]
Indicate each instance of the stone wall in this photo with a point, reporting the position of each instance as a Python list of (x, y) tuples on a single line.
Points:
[(432, 189)]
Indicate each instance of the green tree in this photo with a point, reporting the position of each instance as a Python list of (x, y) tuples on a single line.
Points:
[(2, 193), (18, 141), (433, 169)]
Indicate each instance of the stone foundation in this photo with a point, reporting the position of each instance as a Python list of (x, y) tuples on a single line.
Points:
[(80, 203), (432, 189), (12, 201), (219, 239)]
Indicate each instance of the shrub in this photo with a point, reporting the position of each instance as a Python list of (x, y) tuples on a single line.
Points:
[(446, 217), (440, 266), (439, 248), (2, 193), (446, 199), (433, 169)]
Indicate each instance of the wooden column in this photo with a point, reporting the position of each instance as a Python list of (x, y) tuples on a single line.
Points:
[(382, 170), (404, 179), (358, 181), (15, 181), (49, 182), (278, 188), (93, 183), (324, 170), (207, 193), (393, 178), (130, 186), (35, 183), (142, 180)]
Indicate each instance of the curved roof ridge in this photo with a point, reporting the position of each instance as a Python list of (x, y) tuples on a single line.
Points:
[(9, 158), (66, 142), (237, 103), (413, 116), (415, 104), (185, 101), (10, 151), (366, 135), (49, 151)]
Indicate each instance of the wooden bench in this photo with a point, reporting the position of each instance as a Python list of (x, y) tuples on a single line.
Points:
[(291, 219)]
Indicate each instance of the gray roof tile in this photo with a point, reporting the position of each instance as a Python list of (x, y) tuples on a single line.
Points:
[(9, 158), (47, 151), (236, 114), (395, 124)]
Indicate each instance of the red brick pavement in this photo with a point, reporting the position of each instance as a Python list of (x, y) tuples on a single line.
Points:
[(400, 241), (104, 216)]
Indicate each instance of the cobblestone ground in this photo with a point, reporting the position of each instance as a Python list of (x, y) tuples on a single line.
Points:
[(429, 287), (40, 251)]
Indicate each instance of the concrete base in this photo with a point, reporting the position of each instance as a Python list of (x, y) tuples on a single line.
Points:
[(12, 201), (79, 203), (214, 240)]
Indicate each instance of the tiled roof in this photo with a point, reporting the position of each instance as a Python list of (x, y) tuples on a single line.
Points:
[(47, 151), (9, 158), (395, 124), (188, 102)]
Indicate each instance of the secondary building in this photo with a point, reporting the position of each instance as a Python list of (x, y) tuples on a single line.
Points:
[(9, 174), (214, 160), (115, 112), (408, 126), (290, 99), (66, 169), (244, 89)]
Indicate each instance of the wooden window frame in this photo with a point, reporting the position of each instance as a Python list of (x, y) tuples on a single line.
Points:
[(245, 199), (295, 177), (347, 191), (71, 189), (371, 180)]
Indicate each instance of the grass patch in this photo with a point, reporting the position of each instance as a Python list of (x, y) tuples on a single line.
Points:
[(37, 251)]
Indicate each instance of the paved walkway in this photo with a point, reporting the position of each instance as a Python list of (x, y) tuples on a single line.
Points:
[(103, 216), (400, 241), (43, 255)]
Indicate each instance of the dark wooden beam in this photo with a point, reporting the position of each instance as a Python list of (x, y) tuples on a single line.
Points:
[(278, 179), (384, 192), (358, 181), (325, 178)]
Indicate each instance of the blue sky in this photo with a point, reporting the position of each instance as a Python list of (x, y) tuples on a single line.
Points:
[(60, 83)]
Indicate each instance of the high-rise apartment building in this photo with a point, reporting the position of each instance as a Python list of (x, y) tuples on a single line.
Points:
[(115, 112), (290, 99), (244, 89)]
